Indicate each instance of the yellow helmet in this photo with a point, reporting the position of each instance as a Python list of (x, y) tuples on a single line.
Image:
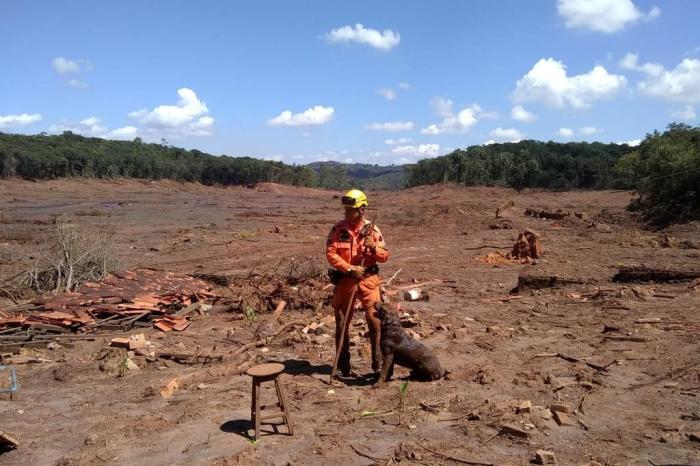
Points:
[(354, 198)]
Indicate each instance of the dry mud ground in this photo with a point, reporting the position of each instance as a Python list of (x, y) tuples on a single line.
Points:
[(636, 412)]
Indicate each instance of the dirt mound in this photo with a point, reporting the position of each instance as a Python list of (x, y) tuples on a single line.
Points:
[(285, 189)]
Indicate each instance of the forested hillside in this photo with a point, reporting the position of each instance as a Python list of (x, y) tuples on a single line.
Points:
[(361, 175), (526, 164), (665, 171), (44, 157)]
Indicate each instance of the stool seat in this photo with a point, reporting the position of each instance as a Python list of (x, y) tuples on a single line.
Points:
[(266, 370)]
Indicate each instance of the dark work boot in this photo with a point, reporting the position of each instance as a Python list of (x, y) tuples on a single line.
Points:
[(344, 360), (344, 363)]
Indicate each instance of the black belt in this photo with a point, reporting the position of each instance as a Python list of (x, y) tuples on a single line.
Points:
[(336, 275)]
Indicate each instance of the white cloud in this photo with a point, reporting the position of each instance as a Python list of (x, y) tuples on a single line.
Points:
[(507, 135), (488, 142), (22, 119), (188, 117), (385, 40), (396, 142), (125, 132), (316, 115), (606, 16), (421, 150), (387, 93), (519, 113), (631, 143), (91, 127), (565, 133), (391, 126), (589, 130), (77, 84), (681, 84), (404, 86), (687, 113), (65, 66), (548, 83), (460, 122)]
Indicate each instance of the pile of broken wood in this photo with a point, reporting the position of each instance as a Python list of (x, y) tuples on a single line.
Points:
[(141, 298)]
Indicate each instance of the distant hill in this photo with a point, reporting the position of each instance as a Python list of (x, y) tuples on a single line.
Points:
[(362, 175)]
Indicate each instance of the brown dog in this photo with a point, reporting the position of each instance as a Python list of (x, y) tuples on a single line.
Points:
[(399, 348)]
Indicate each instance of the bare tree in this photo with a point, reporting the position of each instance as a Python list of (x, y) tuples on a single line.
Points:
[(73, 255)]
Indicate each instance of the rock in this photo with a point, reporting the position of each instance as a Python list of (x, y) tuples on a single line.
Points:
[(564, 419), (53, 346), (525, 406), (545, 457), (131, 365), (542, 424), (61, 373), (514, 430), (562, 408), (202, 386), (694, 436), (494, 329), (542, 412), (413, 334), (119, 342)]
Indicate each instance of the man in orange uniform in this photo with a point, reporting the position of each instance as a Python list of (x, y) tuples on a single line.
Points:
[(348, 242)]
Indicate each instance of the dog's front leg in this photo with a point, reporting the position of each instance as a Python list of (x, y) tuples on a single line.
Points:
[(387, 362)]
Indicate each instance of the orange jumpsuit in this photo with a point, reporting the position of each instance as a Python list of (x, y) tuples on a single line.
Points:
[(344, 247)]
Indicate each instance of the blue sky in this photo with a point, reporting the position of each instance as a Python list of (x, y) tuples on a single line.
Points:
[(303, 81)]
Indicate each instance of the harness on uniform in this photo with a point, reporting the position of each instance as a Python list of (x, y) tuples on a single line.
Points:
[(335, 275)]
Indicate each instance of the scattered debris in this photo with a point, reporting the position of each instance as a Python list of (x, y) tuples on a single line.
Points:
[(528, 281), (501, 225), (525, 406), (8, 441), (542, 213), (121, 301), (504, 207), (453, 458), (514, 430), (545, 457), (169, 388), (415, 294), (563, 419), (648, 274), (527, 247), (526, 250)]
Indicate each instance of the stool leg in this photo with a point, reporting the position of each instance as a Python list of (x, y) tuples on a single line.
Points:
[(252, 405), (284, 405), (257, 410)]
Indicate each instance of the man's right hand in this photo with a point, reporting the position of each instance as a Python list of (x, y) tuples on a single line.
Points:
[(357, 271)]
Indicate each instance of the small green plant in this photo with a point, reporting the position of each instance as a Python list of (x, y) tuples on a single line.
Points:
[(367, 413), (254, 442), (250, 314), (403, 389)]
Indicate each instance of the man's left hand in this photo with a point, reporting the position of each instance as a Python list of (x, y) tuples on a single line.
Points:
[(370, 243)]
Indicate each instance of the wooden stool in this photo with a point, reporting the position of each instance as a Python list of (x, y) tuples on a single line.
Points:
[(267, 373)]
